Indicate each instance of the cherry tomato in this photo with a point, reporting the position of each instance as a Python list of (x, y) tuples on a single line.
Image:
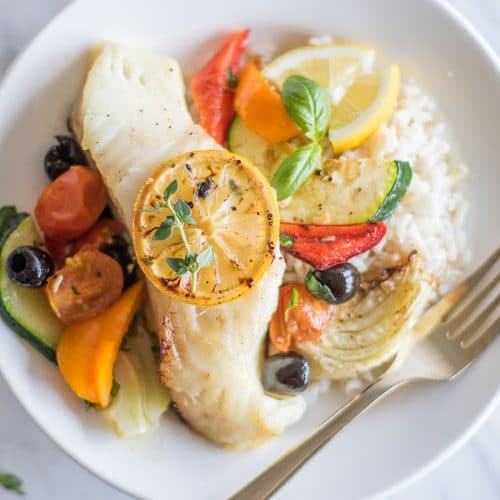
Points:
[(99, 236), (71, 205), (303, 319), (87, 285)]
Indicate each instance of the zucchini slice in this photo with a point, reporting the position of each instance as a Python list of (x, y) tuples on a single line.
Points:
[(340, 192), (25, 310)]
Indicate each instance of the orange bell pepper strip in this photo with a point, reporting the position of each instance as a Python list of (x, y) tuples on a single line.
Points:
[(305, 320), (261, 108), (87, 351)]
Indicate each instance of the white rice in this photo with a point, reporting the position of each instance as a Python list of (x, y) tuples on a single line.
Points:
[(431, 216)]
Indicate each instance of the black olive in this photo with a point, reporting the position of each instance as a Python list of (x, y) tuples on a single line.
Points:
[(107, 213), (29, 266), (204, 188), (285, 374), (119, 250), (61, 157), (336, 285)]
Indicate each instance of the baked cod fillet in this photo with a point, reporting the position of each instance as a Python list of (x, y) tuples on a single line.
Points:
[(131, 117)]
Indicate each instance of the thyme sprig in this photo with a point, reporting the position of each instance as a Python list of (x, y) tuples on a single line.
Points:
[(181, 215)]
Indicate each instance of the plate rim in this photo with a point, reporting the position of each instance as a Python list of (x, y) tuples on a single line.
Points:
[(421, 471)]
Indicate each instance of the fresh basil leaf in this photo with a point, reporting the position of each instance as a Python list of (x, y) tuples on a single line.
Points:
[(165, 230), (11, 482), (183, 211), (318, 289), (205, 258), (295, 170), (308, 105), (179, 266), (286, 241), (170, 190)]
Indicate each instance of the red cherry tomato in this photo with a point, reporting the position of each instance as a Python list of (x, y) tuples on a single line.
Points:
[(71, 205)]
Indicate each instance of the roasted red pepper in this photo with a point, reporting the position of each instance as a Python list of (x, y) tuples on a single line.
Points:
[(211, 87), (325, 246)]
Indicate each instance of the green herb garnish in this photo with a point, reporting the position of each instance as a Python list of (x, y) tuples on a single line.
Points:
[(296, 169), (181, 214), (286, 241), (75, 290), (232, 79), (318, 289), (11, 482), (115, 389), (292, 302), (308, 105)]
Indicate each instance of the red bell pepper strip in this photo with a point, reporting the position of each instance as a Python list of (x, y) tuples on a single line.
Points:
[(325, 246), (212, 91)]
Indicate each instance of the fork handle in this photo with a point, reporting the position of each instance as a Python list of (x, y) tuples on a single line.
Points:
[(278, 473)]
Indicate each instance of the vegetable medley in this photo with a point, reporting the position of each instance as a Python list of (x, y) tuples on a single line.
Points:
[(74, 290)]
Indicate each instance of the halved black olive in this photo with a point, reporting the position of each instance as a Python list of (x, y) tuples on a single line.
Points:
[(336, 285), (29, 267), (119, 250), (285, 374), (61, 157)]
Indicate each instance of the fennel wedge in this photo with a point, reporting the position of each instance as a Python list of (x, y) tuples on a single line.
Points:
[(368, 330)]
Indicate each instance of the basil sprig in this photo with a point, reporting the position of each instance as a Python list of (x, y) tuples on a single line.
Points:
[(308, 106), (296, 169)]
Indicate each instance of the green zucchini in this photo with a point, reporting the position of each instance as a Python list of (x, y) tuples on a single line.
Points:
[(340, 191), (25, 310)]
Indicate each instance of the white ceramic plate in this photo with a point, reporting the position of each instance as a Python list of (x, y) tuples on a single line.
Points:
[(401, 437)]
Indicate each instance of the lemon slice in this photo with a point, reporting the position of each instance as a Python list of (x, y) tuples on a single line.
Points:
[(334, 67), (365, 106), (233, 212)]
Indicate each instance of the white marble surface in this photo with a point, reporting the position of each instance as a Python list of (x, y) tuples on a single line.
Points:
[(472, 473)]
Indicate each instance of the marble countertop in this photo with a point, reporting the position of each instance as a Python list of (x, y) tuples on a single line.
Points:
[(48, 474)]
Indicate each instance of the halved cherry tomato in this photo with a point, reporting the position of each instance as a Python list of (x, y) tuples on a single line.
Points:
[(306, 320), (99, 236), (71, 205), (212, 93), (88, 283), (260, 106)]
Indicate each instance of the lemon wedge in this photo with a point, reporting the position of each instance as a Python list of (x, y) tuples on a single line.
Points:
[(334, 67), (366, 105), (230, 221)]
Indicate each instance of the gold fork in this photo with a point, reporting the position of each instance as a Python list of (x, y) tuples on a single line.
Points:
[(451, 334)]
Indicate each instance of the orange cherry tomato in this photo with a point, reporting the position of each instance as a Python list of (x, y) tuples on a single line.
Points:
[(307, 320), (71, 205), (88, 283), (260, 106)]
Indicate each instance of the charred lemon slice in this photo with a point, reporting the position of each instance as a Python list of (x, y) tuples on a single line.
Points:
[(205, 227)]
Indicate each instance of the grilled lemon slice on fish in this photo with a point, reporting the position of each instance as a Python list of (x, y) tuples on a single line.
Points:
[(230, 227)]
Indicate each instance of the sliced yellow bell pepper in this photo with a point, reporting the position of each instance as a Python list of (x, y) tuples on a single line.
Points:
[(261, 108), (87, 350)]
